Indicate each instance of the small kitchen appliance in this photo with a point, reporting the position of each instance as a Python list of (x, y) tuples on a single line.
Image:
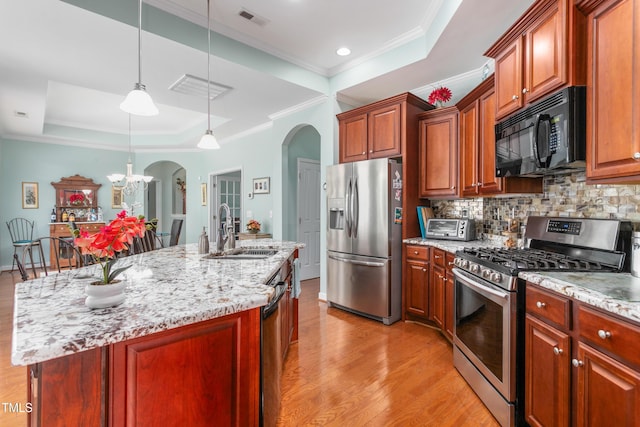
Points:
[(489, 333), (451, 229), (547, 137)]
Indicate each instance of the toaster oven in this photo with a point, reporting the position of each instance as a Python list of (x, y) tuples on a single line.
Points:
[(451, 229)]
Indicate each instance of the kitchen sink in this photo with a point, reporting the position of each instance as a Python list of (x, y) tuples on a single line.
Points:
[(242, 254)]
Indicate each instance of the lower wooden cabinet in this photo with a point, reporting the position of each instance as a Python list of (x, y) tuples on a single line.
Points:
[(428, 287), (547, 369), (191, 375), (61, 230), (581, 364), (416, 282)]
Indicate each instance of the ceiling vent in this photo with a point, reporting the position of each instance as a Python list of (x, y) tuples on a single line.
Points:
[(197, 86), (256, 19)]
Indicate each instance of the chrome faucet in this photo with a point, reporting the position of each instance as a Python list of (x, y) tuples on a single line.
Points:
[(225, 232)]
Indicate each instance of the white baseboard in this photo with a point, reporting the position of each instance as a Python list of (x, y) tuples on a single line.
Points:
[(322, 296)]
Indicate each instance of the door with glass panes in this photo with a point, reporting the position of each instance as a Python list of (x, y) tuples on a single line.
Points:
[(227, 189)]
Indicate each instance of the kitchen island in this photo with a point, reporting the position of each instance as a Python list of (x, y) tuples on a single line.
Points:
[(183, 349)]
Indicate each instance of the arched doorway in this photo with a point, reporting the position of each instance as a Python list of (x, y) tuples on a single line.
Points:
[(164, 198), (301, 195)]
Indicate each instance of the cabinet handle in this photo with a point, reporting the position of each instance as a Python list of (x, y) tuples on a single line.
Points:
[(577, 363), (525, 90), (473, 185), (540, 304), (364, 152), (437, 256), (453, 188), (415, 252), (424, 269), (604, 334), (450, 263), (371, 151), (444, 278), (557, 351), (514, 97), (636, 156), (479, 184)]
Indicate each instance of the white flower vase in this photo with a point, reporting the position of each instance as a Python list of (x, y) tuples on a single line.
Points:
[(103, 296)]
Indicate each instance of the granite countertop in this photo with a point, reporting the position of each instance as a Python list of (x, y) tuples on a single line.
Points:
[(166, 288), (617, 293), (454, 245)]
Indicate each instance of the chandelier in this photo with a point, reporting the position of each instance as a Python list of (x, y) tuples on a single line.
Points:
[(130, 183)]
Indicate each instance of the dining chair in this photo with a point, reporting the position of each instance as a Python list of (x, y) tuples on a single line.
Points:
[(64, 256), (176, 228), (21, 269), (21, 232)]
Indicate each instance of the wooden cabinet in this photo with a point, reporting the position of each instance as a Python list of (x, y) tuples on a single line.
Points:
[(76, 194), (212, 367), (387, 128), (547, 372), (437, 287), (582, 365), (288, 310), (438, 153), (415, 280), (449, 295), (377, 130), (541, 52), (613, 90), (61, 230)]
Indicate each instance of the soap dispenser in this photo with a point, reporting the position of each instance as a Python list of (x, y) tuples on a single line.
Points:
[(203, 242)]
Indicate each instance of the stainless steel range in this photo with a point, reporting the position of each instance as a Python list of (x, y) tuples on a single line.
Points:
[(490, 299)]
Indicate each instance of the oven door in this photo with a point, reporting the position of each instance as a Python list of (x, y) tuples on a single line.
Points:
[(485, 330)]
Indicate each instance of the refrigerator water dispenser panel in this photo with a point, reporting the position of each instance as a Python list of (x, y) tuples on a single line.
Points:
[(336, 219)]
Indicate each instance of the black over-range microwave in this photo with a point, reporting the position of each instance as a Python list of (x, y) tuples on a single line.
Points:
[(545, 138)]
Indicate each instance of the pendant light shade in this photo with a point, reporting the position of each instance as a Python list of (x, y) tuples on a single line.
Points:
[(138, 101), (208, 140)]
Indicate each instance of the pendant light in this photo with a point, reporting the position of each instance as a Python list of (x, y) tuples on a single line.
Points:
[(208, 140), (138, 101)]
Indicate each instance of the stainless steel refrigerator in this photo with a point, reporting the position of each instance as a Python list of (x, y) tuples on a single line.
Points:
[(364, 238)]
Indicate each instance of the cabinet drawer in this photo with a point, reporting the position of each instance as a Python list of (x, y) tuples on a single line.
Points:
[(438, 257), (549, 306), (448, 258), (610, 334), (418, 252), (91, 228)]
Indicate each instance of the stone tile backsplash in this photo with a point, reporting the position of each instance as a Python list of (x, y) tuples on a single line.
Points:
[(564, 196)]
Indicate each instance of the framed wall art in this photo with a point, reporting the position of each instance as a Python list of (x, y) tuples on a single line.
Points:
[(116, 197), (203, 194), (261, 186), (29, 195)]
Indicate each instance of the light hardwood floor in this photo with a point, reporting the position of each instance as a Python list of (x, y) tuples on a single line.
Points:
[(345, 370)]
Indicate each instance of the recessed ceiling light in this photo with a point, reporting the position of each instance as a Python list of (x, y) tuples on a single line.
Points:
[(343, 51)]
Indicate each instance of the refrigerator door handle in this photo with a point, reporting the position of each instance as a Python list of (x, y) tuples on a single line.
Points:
[(350, 261), (348, 209), (356, 211)]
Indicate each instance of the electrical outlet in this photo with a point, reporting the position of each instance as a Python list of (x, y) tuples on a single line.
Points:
[(249, 214)]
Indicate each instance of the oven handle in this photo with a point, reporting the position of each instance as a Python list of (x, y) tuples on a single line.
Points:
[(478, 286)]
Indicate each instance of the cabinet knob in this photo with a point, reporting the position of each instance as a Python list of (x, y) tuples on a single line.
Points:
[(604, 334), (450, 263), (473, 185), (437, 256), (540, 304), (514, 97), (479, 184), (364, 152), (636, 156), (525, 90), (415, 252), (557, 351), (577, 363), (444, 278), (453, 188), (424, 269)]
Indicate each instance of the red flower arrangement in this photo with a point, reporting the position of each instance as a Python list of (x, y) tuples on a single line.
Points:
[(253, 225), (76, 199), (115, 237), (442, 94)]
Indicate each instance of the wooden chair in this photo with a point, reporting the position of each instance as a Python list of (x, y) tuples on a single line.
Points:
[(65, 255), (21, 232)]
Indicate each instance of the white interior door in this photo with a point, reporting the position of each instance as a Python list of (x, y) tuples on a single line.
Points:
[(226, 189), (309, 217)]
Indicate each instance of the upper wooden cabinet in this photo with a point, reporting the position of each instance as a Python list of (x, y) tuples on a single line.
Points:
[(379, 129), (613, 90), (439, 153), (76, 194), (542, 51), (477, 144)]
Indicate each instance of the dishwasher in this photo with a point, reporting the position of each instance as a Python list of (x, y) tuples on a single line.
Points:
[(271, 355)]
